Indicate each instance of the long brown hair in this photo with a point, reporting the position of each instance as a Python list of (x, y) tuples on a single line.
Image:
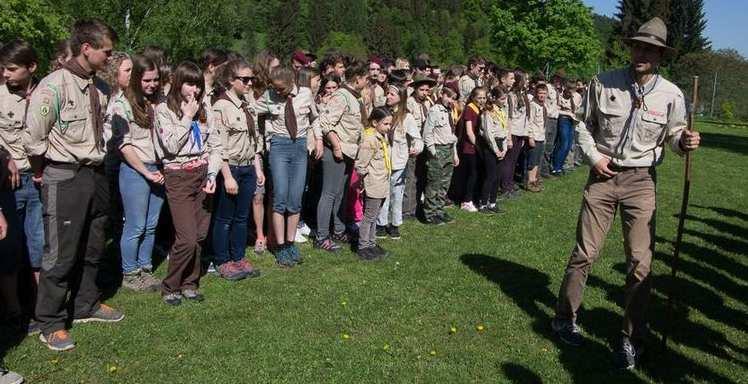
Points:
[(402, 106), (187, 72), (134, 92), (520, 99)]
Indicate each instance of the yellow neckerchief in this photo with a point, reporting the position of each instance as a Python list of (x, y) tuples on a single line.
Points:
[(385, 147), (498, 114), (474, 107)]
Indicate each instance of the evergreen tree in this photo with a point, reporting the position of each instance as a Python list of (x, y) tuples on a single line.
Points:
[(686, 27)]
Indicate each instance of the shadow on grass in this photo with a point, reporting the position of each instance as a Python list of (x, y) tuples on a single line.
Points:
[(519, 374), (529, 289), (731, 143), (725, 211)]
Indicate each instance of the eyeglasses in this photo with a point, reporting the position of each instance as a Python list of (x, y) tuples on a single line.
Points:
[(245, 79)]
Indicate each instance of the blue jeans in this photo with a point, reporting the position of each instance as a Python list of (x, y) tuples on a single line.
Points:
[(288, 160), (392, 209), (29, 210), (564, 141), (231, 214), (142, 201)]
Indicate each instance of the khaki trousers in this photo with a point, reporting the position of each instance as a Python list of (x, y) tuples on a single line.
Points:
[(633, 190)]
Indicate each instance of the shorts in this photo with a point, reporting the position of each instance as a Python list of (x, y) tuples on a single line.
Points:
[(535, 154)]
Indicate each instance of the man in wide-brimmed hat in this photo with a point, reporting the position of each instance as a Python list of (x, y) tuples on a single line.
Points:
[(626, 119)]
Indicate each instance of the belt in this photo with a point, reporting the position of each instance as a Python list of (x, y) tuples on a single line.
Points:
[(188, 166), (243, 163), (620, 168), (76, 166)]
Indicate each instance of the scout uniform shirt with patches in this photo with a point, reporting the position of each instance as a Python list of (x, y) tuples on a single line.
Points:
[(180, 141), (343, 116), (439, 129), (493, 126), (628, 123), (373, 163), (59, 124), (240, 138), (569, 106), (536, 122), (120, 125), (551, 102), (467, 84), (405, 136), (12, 125), (420, 111), (274, 106), (518, 115)]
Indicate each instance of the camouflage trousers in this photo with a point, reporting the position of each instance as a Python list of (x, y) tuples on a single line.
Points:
[(438, 176)]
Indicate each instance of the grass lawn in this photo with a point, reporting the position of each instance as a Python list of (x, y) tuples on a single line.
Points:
[(461, 303)]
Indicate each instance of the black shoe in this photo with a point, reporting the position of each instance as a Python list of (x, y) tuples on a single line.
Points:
[(568, 332), (445, 218), (380, 252), (393, 232), (367, 254), (626, 355), (342, 237), (496, 209), (381, 232)]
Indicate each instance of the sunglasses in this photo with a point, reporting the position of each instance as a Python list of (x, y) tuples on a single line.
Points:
[(245, 79)]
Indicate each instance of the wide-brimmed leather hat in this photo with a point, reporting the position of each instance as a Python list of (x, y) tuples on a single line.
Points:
[(653, 32), (419, 80)]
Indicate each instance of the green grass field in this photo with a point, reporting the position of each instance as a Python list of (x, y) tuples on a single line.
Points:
[(462, 303)]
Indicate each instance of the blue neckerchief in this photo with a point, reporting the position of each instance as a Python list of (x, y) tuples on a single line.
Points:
[(196, 135)]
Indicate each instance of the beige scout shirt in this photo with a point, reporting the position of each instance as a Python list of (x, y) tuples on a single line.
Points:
[(59, 122), (438, 130), (551, 105), (375, 97), (304, 107), (371, 164), (536, 122), (12, 125), (517, 116), (237, 143), (343, 116), (569, 106), (613, 126), (420, 111), (120, 125), (405, 136), (493, 126), (178, 142)]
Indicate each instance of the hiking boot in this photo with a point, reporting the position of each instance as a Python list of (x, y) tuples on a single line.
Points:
[(150, 282), (10, 377), (231, 271), (436, 220), (58, 340), (567, 331), (248, 268), (381, 232), (193, 294), (133, 282), (626, 355), (446, 218), (173, 299), (393, 232), (533, 187), (327, 245), (103, 314), (294, 254)]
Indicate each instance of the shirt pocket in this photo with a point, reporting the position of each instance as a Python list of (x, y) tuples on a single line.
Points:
[(651, 128), (10, 130), (73, 125), (612, 118)]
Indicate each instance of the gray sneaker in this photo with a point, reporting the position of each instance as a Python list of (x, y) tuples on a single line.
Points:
[(626, 355), (103, 314), (58, 340), (567, 331), (10, 377), (193, 294), (173, 299), (150, 282)]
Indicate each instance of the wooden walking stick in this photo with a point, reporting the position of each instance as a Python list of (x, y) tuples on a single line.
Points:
[(681, 219)]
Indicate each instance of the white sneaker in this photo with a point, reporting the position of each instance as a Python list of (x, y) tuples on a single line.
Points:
[(299, 238), (10, 377), (469, 207), (212, 268), (304, 229)]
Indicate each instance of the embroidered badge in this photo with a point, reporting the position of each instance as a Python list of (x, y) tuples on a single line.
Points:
[(44, 110)]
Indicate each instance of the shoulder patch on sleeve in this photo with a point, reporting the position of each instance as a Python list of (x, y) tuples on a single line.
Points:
[(44, 109)]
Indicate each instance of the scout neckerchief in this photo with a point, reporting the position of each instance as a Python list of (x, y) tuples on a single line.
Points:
[(24, 94), (244, 107), (75, 68), (637, 96), (361, 107), (385, 148), (290, 116), (498, 114)]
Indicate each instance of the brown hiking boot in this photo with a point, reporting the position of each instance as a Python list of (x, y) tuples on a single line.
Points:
[(534, 187)]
